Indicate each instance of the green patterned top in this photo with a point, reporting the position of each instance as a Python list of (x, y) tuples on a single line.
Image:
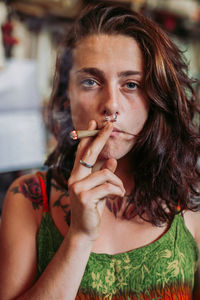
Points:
[(163, 269)]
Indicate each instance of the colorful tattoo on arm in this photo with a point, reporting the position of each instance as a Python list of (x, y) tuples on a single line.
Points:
[(30, 188)]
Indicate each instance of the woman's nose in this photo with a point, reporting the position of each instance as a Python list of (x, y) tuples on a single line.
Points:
[(110, 101)]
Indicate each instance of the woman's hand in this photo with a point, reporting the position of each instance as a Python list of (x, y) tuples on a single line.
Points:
[(88, 190)]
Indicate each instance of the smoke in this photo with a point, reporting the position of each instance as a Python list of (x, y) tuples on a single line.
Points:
[(63, 127)]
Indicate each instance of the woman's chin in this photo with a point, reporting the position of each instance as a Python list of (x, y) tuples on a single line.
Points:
[(111, 151)]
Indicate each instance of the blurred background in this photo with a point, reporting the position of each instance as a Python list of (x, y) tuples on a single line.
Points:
[(30, 32)]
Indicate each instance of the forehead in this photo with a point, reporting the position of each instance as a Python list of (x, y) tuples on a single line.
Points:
[(104, 51)]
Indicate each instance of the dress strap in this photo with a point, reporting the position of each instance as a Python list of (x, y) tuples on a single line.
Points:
[(48, 184), (45, 195)]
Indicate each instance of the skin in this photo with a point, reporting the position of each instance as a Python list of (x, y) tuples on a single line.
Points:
[(100, 82), (93, 226)]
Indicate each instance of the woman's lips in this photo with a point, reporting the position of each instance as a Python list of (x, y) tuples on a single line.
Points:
[(116, 132)]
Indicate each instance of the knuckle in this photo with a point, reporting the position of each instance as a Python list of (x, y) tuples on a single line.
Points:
[(74, 188), (83, 197), (106, 173), (70, 183)]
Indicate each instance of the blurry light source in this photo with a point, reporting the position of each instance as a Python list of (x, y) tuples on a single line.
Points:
[(22, 135)]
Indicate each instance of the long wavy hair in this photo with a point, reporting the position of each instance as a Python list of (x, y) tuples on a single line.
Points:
[(165, 153)]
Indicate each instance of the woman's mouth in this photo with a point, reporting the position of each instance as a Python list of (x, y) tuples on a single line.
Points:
[(115, 132)]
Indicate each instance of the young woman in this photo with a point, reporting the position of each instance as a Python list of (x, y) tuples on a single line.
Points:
[(113, 218)]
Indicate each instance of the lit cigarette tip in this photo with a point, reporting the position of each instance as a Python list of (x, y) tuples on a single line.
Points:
[(73, 135)]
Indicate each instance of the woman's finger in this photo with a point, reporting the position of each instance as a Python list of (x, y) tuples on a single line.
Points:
[(85, 142), (96, 179), (82, 146), (97, 145), (100, 193), (88, 151)]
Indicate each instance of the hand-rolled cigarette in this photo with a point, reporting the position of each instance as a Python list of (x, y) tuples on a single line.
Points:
[(79, 134)]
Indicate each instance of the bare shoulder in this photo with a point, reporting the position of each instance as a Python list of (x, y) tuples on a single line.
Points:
[(28, 186), (22, 209), (192, 221), (25, 193), (21, 215)]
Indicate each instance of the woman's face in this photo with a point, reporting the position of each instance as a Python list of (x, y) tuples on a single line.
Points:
[(107, 76)]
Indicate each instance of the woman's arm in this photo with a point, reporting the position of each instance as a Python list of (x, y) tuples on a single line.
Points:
[(17, 244), (61, 278)]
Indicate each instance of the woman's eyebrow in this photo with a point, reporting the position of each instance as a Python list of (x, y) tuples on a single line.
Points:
[(99, 73), (92, 71), (129, 73)]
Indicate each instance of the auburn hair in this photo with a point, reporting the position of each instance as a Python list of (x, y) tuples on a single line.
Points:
[(165, 153)]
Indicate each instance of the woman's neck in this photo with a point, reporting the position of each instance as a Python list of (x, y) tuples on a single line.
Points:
[(117, 205)]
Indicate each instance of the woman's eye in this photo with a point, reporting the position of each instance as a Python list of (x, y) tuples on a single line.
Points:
[(89, 83), (131, 85)]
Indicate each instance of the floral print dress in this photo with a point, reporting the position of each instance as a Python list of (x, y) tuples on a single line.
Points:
[(163, 269)]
